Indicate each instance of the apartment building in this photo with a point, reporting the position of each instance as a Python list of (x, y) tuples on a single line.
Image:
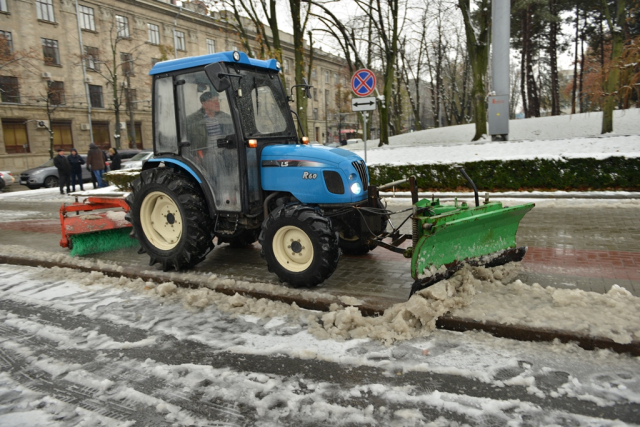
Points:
[(79, 57)]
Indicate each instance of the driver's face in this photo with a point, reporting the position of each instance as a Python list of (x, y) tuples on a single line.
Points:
[(211, 105)]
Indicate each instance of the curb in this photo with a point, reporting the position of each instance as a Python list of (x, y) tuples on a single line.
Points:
[(373, 307), (585, 195)]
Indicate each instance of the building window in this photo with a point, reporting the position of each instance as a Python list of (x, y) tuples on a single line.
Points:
[(51, 52), (287, 65), (56, 93), (6, 45), (95, 94), (154, 33), (9, 89), (92, 58), (315, 114), (87, 21), (127, 63), (313, 74), (327, 96), (180, 45), (15, 136), (3, 6), (211, 46), (326, 77), (122, 25), (44, 10), (131, 99), (62, 137)]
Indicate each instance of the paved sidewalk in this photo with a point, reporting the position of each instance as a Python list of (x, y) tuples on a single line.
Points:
[(585, 247)]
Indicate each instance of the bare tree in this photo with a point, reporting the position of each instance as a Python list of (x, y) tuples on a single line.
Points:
[(116, 69), (478, 49)]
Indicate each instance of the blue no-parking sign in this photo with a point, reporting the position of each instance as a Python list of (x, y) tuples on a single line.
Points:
[(363, 82)]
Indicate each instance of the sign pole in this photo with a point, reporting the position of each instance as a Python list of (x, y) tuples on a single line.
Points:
[(364, 133)]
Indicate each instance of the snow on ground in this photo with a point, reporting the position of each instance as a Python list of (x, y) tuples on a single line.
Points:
[(556, 137), (476, 293), (270, 328)]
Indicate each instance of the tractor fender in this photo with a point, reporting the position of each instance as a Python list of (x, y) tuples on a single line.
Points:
[(185, 166)]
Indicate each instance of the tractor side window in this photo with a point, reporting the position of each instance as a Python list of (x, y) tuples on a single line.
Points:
[(262, 105), (165, 119)]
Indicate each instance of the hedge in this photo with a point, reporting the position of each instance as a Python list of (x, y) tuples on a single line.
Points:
[(612, 173)]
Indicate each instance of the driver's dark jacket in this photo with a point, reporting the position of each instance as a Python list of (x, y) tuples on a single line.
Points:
[(197, 128)]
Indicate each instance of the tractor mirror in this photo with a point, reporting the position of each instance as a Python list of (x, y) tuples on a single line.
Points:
[(307, 88), (217, 73)]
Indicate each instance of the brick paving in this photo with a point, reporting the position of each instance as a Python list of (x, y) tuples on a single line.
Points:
[(576, 248)]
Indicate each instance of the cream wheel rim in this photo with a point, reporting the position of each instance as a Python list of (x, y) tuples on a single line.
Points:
[(293, 248), (161, 220)]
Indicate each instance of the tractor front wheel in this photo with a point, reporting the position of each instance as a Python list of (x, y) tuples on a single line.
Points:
[(299, 245), (170, 219)]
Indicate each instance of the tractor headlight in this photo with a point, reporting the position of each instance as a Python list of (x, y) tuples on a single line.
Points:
[(356, 188)]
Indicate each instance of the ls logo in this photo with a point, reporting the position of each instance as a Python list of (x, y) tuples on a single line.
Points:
[(308, 175)]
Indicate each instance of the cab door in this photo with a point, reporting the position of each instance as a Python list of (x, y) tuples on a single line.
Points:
[(207, 137)]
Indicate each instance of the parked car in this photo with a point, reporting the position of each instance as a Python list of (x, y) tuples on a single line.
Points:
[(46, 175), (125, 155), (354, 141), (6, 179), (136, 161)]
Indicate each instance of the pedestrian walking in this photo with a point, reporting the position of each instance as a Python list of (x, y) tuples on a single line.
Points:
[(76, 161), (95, 163), (64, 170), (116, 162)]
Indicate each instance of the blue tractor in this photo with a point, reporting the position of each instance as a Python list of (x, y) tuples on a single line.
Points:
[(228, 163)]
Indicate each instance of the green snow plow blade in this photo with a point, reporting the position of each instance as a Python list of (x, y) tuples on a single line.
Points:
[(450, 236)]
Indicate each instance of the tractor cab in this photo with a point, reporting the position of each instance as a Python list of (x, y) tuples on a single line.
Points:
[(214, 114)]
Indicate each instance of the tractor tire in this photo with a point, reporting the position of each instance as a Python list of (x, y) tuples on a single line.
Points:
[(51, 182), (170, 218), (299, 245), (240, 240), (357, 245)]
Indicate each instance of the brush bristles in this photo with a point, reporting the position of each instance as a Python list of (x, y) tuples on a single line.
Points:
[(102, 241)]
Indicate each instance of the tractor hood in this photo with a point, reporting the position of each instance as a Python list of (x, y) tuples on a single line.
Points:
[(314, 174)]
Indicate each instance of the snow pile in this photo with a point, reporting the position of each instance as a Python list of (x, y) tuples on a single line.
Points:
[(613, 315)]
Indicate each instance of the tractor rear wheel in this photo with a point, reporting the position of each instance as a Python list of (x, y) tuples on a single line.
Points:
[(170, 219), (299, 245)]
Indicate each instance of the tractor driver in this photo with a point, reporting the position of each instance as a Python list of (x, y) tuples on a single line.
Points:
[(208, 124)]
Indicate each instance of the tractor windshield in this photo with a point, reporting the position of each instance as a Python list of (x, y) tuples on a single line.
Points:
[(263, 105)]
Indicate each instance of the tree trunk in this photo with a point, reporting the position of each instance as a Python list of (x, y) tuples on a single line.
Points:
[(532, 87), (613, 79), (298, 44), (580, 91), (553, 57), (575, 64), (523, 64), (389, 72), (478, 47)]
